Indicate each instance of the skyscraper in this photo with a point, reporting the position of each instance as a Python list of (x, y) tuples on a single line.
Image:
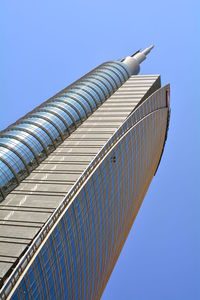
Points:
[(74, 172)]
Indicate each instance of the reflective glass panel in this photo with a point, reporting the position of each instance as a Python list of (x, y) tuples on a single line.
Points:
[(5, 174), (28, 138), (91, 83), (41, 134), (19, 147), (12, 159), (76, 104), (48, 126), (80, 99), (86, 95), (52, 118), (59, 111), (90, 91), (68, 108)]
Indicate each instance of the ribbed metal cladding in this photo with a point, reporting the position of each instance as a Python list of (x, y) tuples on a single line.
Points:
[(26, 143), (74, 254)]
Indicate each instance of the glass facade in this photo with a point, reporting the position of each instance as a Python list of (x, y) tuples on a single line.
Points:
[(70, 189), (28, 141), (75, 252)]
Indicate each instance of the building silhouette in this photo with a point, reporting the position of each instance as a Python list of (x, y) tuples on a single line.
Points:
[(73, 175)]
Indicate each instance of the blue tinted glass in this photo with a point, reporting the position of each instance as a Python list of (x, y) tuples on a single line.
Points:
[(60, 112), (69, 109), (114, 83), (19, 147), (52, 118), (100, 83), (108, 82), (29, 139), (76, 104), (48, 126), (90, 91), (105, 86), (80, 99), (118, 79), (91, 83), (121, 69), (12, 159), (85, 95), (41, 134), (5, 174)]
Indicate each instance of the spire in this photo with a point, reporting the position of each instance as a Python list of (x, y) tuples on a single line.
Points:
[(133, 61), (147, 50)]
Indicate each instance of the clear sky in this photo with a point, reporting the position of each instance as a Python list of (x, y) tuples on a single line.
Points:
[(46, 44)]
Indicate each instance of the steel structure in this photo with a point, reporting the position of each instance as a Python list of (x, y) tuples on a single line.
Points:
[(73, 174)]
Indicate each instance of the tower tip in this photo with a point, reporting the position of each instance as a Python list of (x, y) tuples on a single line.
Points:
[(148, 49), (133, 61)]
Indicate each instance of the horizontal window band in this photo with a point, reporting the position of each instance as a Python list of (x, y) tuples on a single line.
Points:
[(11, 169), (64, 105), (27, 138), (80, 84), (33, 209), (9, 224), (75, 108), (28, 121), (90, 139), (33, 135), (68, 172), (103, 70), (90, 79), (51, 128), (87, 92), (123, 66), (83, 94), (80, 95), (20, 222), (114, 73), (76, 163), (64, 110), (44, 109), (47, 181), (115, 67), (74, 154), (48, 120), (23, 142), (18, 154), (12, 159), (99, 73), (79, 102), (39, 193)]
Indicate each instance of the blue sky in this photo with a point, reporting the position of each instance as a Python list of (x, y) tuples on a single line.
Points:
[(45, 45)]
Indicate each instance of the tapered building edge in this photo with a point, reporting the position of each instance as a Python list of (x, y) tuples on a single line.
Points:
[(152, 113)]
